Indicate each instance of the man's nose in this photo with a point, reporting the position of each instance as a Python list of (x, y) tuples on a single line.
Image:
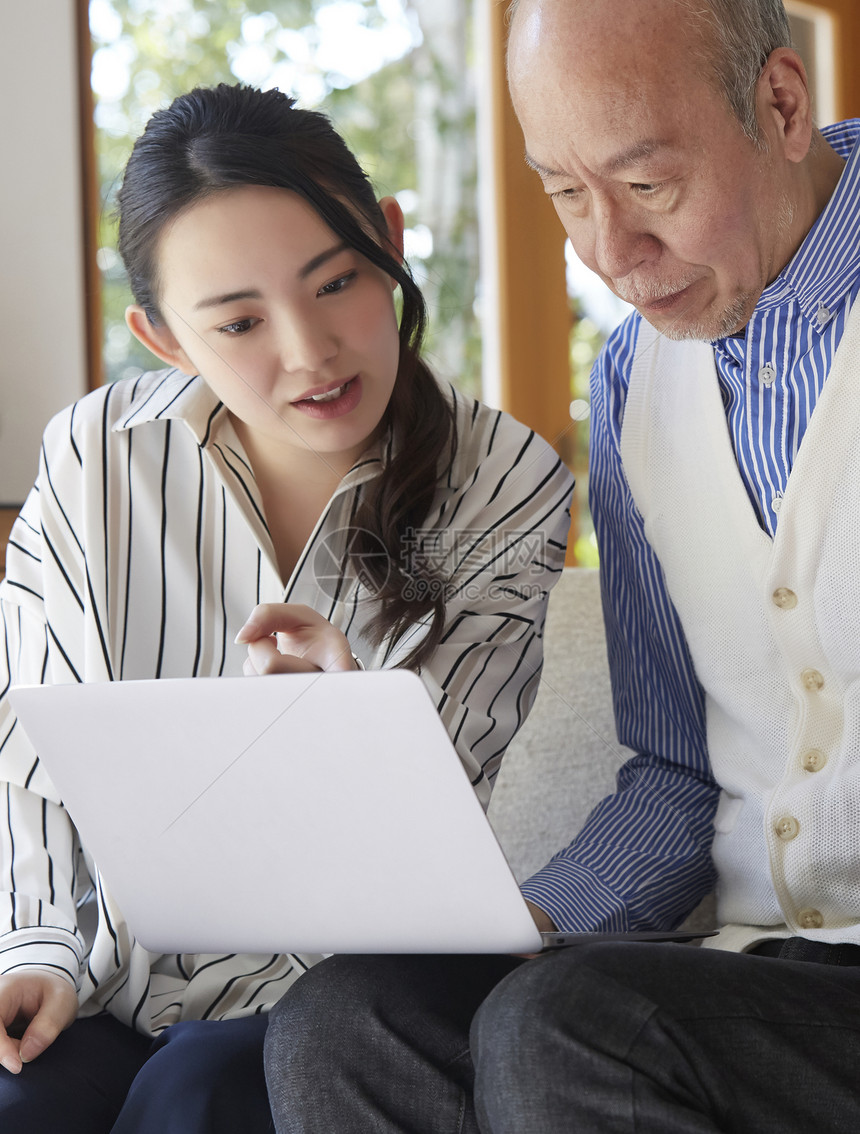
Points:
[(622, 243)]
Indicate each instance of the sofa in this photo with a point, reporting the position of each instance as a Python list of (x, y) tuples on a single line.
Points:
[(564, 759)]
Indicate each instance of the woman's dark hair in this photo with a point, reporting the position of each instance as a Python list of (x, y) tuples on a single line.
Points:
[(223, 137)]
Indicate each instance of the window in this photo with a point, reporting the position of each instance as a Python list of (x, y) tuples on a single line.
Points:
[(394, 76)]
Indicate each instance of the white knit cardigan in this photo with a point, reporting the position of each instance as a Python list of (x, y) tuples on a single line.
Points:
[(773, 627)]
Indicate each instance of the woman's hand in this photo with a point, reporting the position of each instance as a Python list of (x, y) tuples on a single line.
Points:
[(292, 638), (38, 1005)]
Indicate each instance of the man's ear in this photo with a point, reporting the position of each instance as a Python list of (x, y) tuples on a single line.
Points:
[(157, 338), (393, 214), (786, 106)]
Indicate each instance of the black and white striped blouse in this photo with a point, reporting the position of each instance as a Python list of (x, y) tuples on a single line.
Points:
[(140, 553)]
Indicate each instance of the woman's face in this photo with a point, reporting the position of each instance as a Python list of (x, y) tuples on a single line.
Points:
[(294, 331)]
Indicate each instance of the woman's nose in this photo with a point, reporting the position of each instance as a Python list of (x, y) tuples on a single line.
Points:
[(305, 343)]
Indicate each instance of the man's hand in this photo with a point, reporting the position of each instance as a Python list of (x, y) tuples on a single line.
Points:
[(544, 923), (35, 1006), (291, 638), (542, 920)]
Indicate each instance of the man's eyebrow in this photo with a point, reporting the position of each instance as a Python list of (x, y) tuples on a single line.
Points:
[(543, 170), (640, 151), (253, 293)]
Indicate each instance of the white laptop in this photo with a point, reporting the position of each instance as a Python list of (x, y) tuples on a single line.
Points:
[(306, 813)]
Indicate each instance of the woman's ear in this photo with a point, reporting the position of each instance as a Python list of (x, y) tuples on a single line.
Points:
[(393, 214), (158, 338)]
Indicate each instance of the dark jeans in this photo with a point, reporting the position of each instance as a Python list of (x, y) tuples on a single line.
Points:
[(100, 1077), (603, 1038), (378, 1045)]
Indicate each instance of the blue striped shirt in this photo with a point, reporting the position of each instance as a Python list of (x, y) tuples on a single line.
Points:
[(643, 859)]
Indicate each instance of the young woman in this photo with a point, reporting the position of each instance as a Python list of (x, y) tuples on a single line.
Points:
[(294, 491)]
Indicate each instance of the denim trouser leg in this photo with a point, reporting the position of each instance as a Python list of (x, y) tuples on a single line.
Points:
[(669, 1039), (378, 1045)]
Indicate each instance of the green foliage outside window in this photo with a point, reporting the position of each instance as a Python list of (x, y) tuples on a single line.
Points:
[(393, 75)]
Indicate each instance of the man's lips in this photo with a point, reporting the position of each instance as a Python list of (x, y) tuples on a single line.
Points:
[(665, 302), (656, 299)]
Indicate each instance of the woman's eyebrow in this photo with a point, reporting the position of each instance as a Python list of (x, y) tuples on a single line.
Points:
[(318, 261), (230, 297), (252, 293)]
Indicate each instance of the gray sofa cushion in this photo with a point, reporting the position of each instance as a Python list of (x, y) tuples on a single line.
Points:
[(565, 758)]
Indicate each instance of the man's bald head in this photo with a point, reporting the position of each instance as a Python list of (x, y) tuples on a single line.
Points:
[(730, 39), (686, 189)]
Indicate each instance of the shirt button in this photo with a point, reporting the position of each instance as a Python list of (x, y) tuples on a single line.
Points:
[(776, 503), (823, 313), (810, 919), (812, 680), (787, 828), (785, 598), (767, 374), (813, 760)]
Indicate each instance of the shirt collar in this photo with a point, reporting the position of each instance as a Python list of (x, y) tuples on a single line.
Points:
[(169, 394), (823, 268), (161, 395)]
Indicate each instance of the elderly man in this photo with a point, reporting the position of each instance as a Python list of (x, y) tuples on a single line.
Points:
[(676, 141)]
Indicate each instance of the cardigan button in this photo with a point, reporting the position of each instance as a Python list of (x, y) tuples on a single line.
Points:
[(810, 919), (785, 598), (812, 680), (787, 828), (813, 760)]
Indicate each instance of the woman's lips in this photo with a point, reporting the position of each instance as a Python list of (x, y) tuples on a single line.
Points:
[(332, 402)]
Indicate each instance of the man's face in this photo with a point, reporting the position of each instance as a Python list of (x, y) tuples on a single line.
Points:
[(658, 188)]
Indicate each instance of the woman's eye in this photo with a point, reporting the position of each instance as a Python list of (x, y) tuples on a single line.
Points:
[(240, 327), (337, 285)]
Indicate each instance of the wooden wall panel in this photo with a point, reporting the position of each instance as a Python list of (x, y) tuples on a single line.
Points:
[(534, 317), (7, 519), (90, 196), (533, 322), (847, 62)]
